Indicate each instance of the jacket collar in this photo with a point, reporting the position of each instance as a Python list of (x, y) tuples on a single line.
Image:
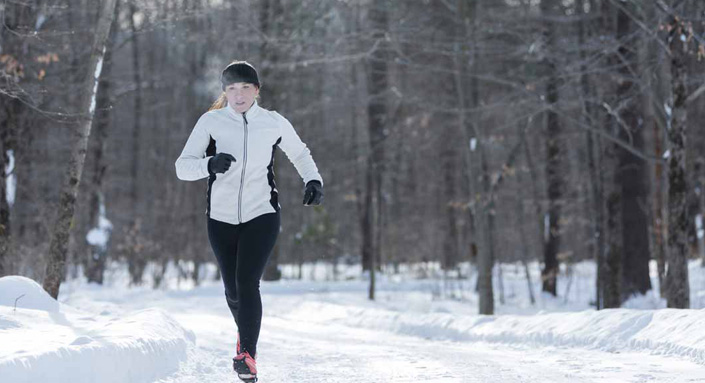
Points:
[(250, 113)]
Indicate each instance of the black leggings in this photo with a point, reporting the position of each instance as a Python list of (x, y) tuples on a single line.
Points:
[(242, 252)]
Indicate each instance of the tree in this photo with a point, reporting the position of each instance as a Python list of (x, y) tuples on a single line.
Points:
[(377, 110), (631, 171), (679, 36), (96, 253), (554, 176), (55, 269)]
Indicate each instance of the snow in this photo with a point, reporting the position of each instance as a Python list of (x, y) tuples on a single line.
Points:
[(21, 292), (40, 21), (669, 115), (11, 179), (663, 332), (99, 236), (43, 340), (699, 226), (422, 327), (473, 144), (96, 80)]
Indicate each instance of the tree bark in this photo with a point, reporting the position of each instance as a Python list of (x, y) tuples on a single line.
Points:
[(95, 262), (137, 261), (631, 171), (678, 290), (377, 73), (55, 269), (596, 235), (658, 201), (554, 178), (483, 202)]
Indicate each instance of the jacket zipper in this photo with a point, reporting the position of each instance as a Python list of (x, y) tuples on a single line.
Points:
[(242, 176)]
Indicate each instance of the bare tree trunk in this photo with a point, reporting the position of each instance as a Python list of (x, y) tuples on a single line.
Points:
[(522, 234), (610, 260), (487, 256), (450, 258), (659, 232), (466, 13), (554, 177), (58, 247), (594, 164), (678, 292), (483, 211), (361, 192), (611, 274), (658, 206), (94, 264), (137, 261), (377, 112), (368, 230), (631, 171)]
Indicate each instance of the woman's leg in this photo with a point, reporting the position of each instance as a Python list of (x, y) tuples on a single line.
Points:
[(257, 238), (223, 238)]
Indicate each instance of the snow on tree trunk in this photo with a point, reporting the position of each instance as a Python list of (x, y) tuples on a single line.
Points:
[(58, 247), (6, 199)]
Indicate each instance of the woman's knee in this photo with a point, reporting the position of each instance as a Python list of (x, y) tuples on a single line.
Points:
[(231, 297), (247, 287)]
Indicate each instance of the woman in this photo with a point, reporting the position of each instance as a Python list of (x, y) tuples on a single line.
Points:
[(233, 144)]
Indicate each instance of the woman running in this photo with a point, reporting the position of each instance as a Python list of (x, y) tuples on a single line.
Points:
[(233, 145)]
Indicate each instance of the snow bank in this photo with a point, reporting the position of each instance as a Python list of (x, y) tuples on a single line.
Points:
[(664, 332), (25, 293), (43, 340)]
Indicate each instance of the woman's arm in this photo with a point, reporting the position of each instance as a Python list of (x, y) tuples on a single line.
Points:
[(192, 164), (297, 152)]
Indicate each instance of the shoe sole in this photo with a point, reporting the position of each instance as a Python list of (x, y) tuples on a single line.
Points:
[(248, 378)]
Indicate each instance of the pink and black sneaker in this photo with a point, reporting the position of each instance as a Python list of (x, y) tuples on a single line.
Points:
[(245, 366)]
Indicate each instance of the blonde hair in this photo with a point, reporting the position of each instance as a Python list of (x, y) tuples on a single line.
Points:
[(220, 103)]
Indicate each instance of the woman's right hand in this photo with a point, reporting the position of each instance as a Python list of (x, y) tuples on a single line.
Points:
[(220, 163)]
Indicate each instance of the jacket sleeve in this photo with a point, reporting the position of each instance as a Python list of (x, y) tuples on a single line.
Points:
[(192, 164), (297, 152)]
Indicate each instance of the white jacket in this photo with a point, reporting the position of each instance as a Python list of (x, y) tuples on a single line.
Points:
[(247, 190)]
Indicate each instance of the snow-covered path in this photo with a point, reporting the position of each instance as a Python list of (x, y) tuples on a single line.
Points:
[(293, 349), (327, 331)]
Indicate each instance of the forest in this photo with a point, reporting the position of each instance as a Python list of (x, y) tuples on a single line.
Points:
[(447, 132)]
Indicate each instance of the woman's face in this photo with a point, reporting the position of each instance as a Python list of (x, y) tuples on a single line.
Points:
[(241, 95)]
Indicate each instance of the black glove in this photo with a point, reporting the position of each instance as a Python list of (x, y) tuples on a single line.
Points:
[(220, 163), (314, 193)]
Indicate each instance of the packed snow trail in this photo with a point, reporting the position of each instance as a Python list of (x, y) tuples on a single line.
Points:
[(293, 349)]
